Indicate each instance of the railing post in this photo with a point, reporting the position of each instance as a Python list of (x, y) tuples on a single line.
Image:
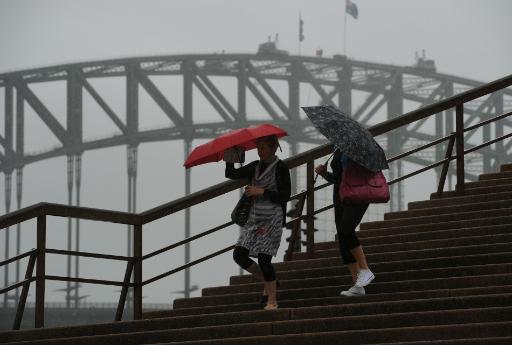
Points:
[(459, 130), (137, 255), (296, 230), (24, 293), (310, 238), (124, 291), (446, 165), (40, 271)]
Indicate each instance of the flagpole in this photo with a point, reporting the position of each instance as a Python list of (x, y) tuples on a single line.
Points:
[(345, 31), (300, 20)]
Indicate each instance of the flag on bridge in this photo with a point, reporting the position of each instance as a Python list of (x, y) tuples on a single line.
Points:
[(351, 9), (301, 28)]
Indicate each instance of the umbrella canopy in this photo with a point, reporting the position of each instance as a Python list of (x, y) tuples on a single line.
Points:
[(213, 151), (348, 136)]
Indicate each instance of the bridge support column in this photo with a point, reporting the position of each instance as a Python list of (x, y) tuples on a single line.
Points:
[(70, 175), (188, 76), (395, 108), (78, 176), (449, 115), (8, 187), (242, 89), (345, 87), (20, 146), (132, 162), (19, 186), (74, 173), (500, 148), (187, 144)]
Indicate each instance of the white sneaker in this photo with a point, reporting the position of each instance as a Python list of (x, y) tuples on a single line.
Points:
[(364, 277), (354, 291)]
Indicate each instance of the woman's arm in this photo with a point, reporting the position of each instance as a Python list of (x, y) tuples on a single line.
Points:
[(322, 171), (247, 171), (330, 177)]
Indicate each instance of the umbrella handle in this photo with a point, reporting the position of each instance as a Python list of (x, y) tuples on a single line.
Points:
[(316, 176)]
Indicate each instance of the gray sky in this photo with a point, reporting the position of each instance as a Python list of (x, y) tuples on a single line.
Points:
[(468, 38)]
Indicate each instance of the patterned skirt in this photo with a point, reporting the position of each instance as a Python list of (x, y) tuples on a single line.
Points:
[(263, 230)]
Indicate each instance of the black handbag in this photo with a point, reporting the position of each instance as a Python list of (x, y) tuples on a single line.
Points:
[(241, 211)]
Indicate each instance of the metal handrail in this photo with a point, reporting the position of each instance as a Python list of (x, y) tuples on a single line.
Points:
[(41, 210), (486, 122), (88, 255), (17, 257)]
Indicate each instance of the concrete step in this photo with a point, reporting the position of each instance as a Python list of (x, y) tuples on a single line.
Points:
[(175, 322), (466, 341), (230, 318), (298, 323), (340, 277), (489, 183), (328, 291), (474, 191), (332, 323), (494, 176), (436, 219), (377, 268), (372, 336), (460, 200), (506, 167), (323, 260), (451, 225), (336, 299), (452, 209), (421, 236), (410, 246)]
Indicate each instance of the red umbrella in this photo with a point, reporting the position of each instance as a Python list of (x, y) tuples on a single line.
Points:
[(213, 151)]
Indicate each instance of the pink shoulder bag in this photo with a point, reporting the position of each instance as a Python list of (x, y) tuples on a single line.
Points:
[(360, 185)]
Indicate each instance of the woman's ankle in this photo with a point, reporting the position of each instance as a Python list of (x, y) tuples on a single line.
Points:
[(271, 306)]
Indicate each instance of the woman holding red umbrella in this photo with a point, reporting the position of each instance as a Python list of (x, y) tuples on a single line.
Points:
[(260, 237)]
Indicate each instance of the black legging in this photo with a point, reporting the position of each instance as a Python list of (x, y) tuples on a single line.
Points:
[(241, 257), (347, 217)]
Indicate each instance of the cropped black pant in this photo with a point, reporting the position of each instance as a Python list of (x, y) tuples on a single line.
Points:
[(241, 257), (347, 217)]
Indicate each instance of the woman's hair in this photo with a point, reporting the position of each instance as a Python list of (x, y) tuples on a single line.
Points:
[(270, 140)]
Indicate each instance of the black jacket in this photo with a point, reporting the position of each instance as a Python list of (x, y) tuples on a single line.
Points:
[(335, 176), (281, 196)]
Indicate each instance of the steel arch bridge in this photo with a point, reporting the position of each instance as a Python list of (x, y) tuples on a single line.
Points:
[(363, 89)]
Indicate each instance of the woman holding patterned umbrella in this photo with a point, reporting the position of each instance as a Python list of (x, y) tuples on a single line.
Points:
[(355, 146), (347, 217)]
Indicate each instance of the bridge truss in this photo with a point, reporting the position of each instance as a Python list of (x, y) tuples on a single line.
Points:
[(276, 84)]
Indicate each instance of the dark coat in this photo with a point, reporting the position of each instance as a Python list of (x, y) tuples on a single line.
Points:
[(335, 177), (283, 193)]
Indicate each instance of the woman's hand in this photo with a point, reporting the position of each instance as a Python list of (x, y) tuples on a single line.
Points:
[(253, 191), (321, 169)]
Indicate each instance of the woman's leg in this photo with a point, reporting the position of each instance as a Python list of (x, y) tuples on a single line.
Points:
[(354, 271), (358, 253), (351, 218), (241, 257), (269, 276), (348, 259), (351, 251)]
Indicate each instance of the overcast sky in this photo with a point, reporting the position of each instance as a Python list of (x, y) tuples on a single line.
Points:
[(467, 38)]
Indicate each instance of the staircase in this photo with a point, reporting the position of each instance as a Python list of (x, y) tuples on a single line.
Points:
[(443, 275)]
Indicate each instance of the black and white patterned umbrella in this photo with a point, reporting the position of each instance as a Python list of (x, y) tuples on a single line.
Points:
[(348, 136)]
